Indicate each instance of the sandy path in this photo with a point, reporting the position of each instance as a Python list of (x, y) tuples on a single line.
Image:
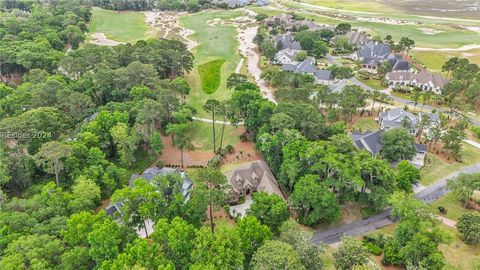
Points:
[(101, 39), (247, 49)]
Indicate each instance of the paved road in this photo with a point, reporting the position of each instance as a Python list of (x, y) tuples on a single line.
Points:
[(365, 87), (429, 194)]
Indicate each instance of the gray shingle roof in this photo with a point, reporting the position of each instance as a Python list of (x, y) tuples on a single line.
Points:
[(324, 75), (369, 141), (288, 42), (401, 65)]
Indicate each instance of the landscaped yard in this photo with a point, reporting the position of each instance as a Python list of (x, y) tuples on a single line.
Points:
[(125, 26), (364, 124), (453, 206), (202, 135), (372, 82), (457, 254), (210, 75), (440, 169), (215, 42)]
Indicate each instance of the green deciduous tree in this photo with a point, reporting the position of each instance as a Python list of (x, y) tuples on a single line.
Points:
[(407, 175), (253, 235), (299, 238), (274, 255), (221, 250), (51, 156), (85, 195), (269, 209), (464, 186), (175, 240), (397, 145), (314, 201), (350, 253)]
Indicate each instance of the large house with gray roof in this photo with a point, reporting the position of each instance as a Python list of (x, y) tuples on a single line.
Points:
[(249, 178), (287, 41), (286, 56), (374, 53), (371, 141), (424, 80), (397, 118), (149, 175), (308, 66)]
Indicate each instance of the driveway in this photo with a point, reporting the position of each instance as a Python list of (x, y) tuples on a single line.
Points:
[(428, 194)]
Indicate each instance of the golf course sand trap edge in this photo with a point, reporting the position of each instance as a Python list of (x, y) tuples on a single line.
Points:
[(101, 39)]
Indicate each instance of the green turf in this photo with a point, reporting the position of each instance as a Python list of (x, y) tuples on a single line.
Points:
[(440, 169), (210, 75), (434, 60), (125, 26), (374, 83), (215, 42), (202, 135), (453, 206), (364, 124)]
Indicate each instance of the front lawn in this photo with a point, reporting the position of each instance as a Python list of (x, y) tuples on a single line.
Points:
[(374, 83), (210, 75), (453, 206), (440, 169), (364, 124)]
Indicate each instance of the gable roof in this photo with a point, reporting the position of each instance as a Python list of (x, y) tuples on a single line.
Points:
[(306, 66), (356, 38), (150, 173), (323, 75), (288, 53), (338, 86), (369, 141), (437, 80), (288, 41), (401, 65), (400, 76), (254, 175), (393, 118)]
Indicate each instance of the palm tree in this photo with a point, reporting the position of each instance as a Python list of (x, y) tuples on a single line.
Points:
[(181, 140), (210, 106), (426, 97), (416, 94), (374, 95)]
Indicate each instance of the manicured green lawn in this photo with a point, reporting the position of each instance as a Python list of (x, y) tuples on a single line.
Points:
[(439, 169), (453, 206), (125, 26), (364, 124), (210, 75), (374, 83), (202, 135), (434, 60), (215, 42), (458, 255)]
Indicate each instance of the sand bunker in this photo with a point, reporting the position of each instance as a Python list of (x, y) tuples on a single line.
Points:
[(101, 39), (168, 26), (430, 31)]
